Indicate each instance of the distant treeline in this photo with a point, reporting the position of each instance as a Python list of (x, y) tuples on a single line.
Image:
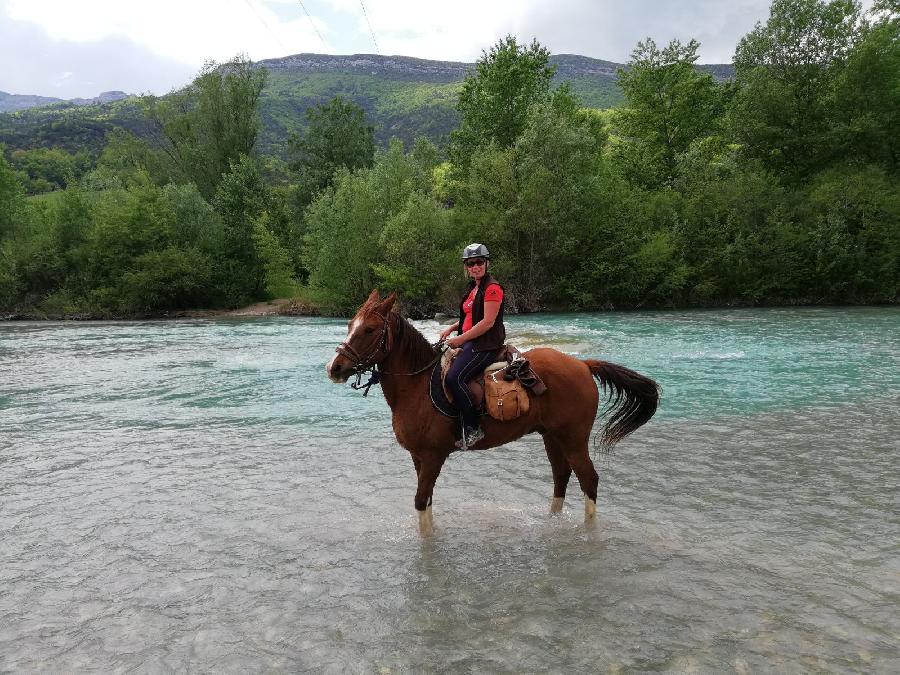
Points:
[(779, 186)]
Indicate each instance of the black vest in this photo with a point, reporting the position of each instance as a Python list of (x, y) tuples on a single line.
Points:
[(496, 336)]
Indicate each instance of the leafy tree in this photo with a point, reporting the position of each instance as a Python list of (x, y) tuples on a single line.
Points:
[(165, 279), (337, 136), (11, 197), (669, 104), (541, 205), (495, 98), (48, 169), (866, 100), (127, 160), (278, 266), (209, 124), (785, 72), (240, 200), (343, 230)]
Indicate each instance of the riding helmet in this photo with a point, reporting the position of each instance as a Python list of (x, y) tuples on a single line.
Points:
[(476, 251)]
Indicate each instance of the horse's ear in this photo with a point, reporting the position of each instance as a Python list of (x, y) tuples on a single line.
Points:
[(373, 297), (388, 302)]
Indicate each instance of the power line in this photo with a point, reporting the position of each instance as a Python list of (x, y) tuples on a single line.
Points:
[(263, 22), (313, 24), (366, 14)]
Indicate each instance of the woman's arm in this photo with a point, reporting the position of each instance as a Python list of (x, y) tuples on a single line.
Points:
[(491, 310)]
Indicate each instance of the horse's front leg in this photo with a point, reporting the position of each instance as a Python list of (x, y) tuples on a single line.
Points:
[(428, 467)]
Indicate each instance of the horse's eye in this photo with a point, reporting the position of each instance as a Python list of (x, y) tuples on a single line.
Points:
[(370, 330)]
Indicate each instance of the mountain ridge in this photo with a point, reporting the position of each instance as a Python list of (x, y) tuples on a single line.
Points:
[(402, 96)]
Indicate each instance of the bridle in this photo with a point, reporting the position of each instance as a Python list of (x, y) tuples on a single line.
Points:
[(362, 364), (369, 364)]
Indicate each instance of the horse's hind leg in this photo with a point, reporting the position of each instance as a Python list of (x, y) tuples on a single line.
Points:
[(588, 479), (580, 460), (561, 472)]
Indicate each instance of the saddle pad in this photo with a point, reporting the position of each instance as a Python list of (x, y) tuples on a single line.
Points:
[(438, 392), (438, 395)]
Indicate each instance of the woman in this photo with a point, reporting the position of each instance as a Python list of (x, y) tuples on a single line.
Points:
[(479, 332)]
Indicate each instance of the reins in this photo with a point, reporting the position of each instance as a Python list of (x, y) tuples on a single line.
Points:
[(384, 344)]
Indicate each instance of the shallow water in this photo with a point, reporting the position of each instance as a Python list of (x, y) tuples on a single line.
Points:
[(195, 495)]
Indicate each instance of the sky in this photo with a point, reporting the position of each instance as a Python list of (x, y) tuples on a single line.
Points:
[(67, 48)]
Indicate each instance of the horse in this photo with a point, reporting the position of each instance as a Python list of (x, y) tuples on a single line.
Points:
[(380, 340)]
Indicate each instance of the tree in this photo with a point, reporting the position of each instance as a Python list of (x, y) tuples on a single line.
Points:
[(866, 99), (495, 98), (669, 104), (11, 197), (241, 198), (336, 136), (785, 72), (209, 124)]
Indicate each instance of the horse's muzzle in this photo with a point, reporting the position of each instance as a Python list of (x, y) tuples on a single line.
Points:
[(338, 369)]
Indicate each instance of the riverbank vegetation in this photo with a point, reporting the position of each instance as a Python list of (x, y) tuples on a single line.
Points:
[(779, 186)]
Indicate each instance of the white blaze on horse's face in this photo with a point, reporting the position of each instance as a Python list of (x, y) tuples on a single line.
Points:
[(366, 339), (341, 374), (362, 334)]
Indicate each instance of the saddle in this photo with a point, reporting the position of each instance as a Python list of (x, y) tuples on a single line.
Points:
[(504, 384)]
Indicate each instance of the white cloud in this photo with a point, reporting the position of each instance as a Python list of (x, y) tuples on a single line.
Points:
[(139, 44), (190, 32)]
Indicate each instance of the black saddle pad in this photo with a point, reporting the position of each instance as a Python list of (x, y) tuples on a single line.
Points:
[(438, 397)]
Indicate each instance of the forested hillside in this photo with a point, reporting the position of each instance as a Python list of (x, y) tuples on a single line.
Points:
[(403, 97), (779, 185)]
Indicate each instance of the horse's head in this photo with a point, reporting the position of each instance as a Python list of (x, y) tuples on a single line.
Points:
[(368, 338)]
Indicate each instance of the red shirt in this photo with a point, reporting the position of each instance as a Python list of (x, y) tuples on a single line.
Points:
[(492, 293)]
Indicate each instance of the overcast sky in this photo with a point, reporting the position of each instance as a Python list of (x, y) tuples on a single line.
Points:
[(69, 48)]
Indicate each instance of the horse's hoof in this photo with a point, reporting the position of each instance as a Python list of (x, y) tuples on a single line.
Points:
[(590, 509), (426, 522), (556, 504)]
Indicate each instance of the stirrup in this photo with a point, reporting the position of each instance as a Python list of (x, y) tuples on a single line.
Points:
[(469, 438)]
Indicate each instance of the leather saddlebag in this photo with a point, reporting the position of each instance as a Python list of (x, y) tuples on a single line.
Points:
[(504, 400)]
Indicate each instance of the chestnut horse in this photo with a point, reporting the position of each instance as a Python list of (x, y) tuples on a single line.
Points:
[(379, 338)]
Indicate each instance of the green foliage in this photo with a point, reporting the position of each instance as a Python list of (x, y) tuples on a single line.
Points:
[(495, 98), (866, 100), (669, 104), (378, 225), (129, 160), (278, 266), (786, 71), (855, 235), (779, 188), (209, 124), (48, 169), (11, 197), (336, 136), (241, 198)]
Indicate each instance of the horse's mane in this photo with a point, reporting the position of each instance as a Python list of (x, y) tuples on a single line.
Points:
[(409, 341), (406, 339)]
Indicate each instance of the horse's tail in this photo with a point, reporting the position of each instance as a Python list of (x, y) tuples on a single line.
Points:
[(632, 397)]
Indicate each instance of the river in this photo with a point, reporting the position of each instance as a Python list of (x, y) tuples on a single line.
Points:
[(196, 495)]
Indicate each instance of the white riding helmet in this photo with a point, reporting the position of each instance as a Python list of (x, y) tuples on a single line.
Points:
[(476, 251)]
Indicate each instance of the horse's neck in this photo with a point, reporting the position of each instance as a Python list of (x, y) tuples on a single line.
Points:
[(402, 389)]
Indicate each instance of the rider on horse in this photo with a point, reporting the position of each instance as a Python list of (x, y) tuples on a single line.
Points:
[(479, 332)]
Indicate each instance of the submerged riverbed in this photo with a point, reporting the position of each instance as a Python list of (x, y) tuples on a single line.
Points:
[(196, 495)]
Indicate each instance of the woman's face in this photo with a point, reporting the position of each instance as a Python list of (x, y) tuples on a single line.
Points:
[(476, 267)]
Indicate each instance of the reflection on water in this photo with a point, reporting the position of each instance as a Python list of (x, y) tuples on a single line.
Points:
[(194, 495)]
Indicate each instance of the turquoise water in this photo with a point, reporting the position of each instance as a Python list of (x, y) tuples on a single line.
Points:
[(197, 495)]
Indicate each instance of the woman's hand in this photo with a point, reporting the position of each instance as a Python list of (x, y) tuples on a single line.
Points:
[(456, 341), (448, 330)]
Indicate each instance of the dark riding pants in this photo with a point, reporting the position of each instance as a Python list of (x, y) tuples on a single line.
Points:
[(467, 364)]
